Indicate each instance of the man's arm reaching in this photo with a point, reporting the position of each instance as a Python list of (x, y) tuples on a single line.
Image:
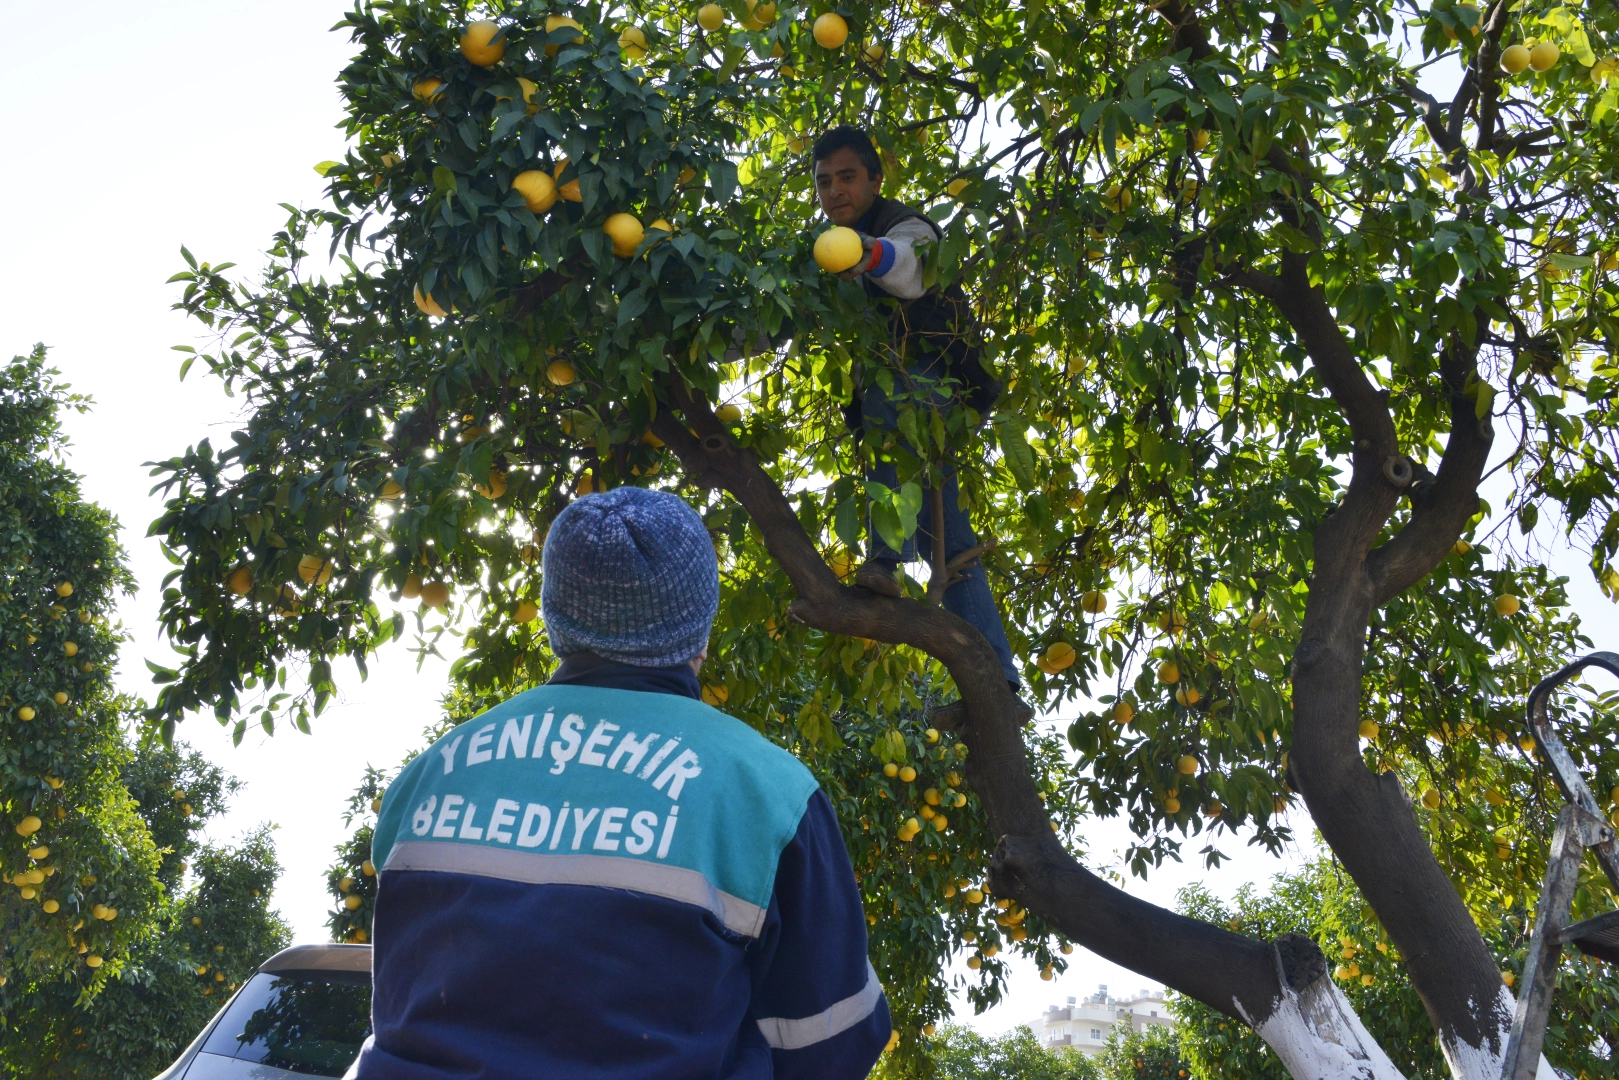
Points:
[(894, 262)]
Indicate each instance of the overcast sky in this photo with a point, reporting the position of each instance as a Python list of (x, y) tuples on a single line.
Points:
[(138, 128)]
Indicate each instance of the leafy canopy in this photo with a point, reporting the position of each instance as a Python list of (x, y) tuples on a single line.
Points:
[(1133, 198)]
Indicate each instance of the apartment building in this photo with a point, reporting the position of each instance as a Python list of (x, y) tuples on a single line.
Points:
[(1086, 1024)]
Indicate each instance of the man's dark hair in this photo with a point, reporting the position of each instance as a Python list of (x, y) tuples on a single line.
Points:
[(856, 140)]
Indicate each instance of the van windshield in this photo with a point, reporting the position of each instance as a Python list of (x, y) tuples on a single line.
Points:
[(310, 1022)]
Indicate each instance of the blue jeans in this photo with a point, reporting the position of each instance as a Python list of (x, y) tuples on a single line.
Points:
[(970, 598)]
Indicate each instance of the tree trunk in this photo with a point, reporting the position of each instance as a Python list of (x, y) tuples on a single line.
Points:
[(1283, 990)]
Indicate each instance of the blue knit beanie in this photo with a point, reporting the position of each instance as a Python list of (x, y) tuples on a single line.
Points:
[(631, 576)]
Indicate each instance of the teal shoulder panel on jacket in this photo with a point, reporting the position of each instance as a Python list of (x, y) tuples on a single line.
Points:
[(620, 788)]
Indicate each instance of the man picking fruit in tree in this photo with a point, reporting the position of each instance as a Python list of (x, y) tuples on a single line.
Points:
[(932, 366), (605, 877)]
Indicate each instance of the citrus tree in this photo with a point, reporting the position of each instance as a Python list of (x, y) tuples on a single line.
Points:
[(80, 867), (1261, 295), (122, 932)]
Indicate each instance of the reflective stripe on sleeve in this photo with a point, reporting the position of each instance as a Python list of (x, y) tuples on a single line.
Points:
[(784, 1034), (602, 871)]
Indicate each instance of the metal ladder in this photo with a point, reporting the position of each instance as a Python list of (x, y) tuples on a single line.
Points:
[(1580, 825)]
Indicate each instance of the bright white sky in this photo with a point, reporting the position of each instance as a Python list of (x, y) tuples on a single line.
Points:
[(182, 121)]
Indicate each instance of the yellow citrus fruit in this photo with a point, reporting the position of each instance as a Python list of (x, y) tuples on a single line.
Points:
[(632, 42), (40, 852), (890, 769), (1506, 604), (1186, 765), (1094, 602), (1172, 805), (587, 484), (428, 90), (560, 373), (1514, 58), (1544, 55), (931, 735), (788, 71), (626, 233), (352, 902), (1200, 140), (1605, 69), (955, 187), (728, 414), (28, 826), (1172, 622), (913, 826), (759, 15), (1060, 656), (412, 588), (476, 47), (839, 248), (1123, 712), (557, 22), (526, 612), (391, 489), (1369, 729), (92, 961), (435, 594), (974, 962), (711, 17), (495, 487), (368, 868), (240, 581), (51, 907), (70, 648), (538, 189), (26, 713), (1430, 798), (65, 589), (873, 53), (529, 90), (59, 697), (314, 570), (716, 695), (1460, 547), (428, 305), (831, 31), (907, 774), (1188, 696), (1169, 673), (1117, 198)]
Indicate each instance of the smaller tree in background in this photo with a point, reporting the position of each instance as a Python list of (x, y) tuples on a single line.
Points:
[(1152, 1053), (110, 962), (196, 949), (352, 878), (960, 1053)]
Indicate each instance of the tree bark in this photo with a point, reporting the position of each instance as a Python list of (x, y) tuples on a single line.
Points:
[(1237, 975), (1366, 818)]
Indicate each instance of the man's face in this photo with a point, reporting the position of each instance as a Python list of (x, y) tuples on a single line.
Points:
[(846, 189)]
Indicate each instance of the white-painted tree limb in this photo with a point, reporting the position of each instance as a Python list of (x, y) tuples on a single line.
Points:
[(1486, 1062), (1317, 1035)]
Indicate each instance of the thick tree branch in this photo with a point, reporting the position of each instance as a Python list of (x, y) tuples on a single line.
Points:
[(1442, 510), (1226, 971)]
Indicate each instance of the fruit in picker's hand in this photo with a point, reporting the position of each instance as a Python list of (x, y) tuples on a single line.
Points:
[(838, 249)]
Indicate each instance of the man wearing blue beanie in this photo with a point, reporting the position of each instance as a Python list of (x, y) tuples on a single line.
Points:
[(604, 877)]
